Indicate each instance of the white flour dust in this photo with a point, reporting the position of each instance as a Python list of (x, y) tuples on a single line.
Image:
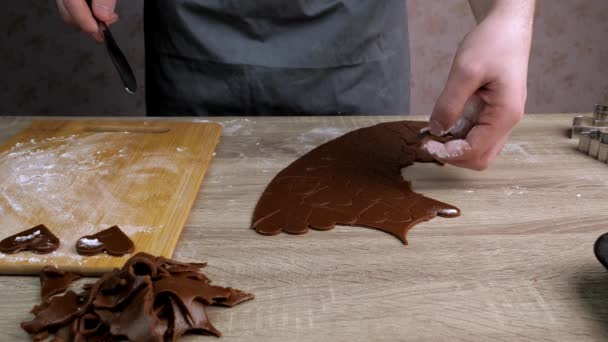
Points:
[(27, 237), (237, 127), (597, 179), (451, 149), (515, 190), (329, 132), (83, 184), (449, 211), (89, 242), (518, 152), (309, 140)]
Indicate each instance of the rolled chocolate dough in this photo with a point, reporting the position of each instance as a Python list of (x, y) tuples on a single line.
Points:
[(353, 180)]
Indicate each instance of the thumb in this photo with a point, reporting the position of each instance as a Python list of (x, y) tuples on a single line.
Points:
[(104, 10), (462, 83)]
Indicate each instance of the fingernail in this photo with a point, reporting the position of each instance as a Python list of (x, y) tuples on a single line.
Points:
[(104, 12), (436, 128), (458, 127)]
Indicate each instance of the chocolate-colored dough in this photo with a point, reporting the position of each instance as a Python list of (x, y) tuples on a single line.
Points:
[(112, 240), (149, 299), (353, 180), (60, 310), (189, 290), (38, 240), (54, 281)]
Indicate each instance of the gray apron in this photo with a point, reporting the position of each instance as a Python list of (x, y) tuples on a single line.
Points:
[(276, 57)]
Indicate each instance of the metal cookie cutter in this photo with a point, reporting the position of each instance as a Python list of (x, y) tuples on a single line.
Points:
[(580, 125), (602, 154), (584, 124), (594, 142), (588, 142), (583, 141), (600, 116), (600, 112), (592, 132)]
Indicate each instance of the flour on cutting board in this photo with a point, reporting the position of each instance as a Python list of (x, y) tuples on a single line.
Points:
[(515, 190), (72, 181)]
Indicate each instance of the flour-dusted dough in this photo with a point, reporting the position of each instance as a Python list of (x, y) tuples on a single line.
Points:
[(112, 240), (38, 239)]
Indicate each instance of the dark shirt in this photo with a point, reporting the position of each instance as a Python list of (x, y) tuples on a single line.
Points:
[(276, 57)]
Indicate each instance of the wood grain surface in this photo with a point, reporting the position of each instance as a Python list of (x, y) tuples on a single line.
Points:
[(517, 265), (80, 177)]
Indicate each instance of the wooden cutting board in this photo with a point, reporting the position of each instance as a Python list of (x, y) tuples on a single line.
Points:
[(80, 177)]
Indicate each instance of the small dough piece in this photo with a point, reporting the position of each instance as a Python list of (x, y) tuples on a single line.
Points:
[(112, 240), (60, 310), (54, 281), (353, 180), (38, 239)]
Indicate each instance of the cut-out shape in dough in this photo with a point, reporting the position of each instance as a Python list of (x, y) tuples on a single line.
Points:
[(353, 180)]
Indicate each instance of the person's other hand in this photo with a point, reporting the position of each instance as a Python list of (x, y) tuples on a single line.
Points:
[(485, 94), (77, 13)]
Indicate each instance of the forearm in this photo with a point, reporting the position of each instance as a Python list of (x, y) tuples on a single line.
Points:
[(520, 9), (513, 18)]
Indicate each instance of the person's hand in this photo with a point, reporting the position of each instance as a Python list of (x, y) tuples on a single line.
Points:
[(77, 13), (485, 94)]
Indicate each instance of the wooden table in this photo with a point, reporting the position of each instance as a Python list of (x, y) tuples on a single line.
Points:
[(518, 265)]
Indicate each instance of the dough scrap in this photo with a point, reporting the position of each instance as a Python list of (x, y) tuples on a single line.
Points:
[(149, 299), (54, 281)]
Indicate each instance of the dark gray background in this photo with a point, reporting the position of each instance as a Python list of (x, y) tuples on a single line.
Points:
[(49, 68)]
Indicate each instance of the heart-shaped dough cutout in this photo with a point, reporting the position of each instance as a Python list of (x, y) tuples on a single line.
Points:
[(38, 239), (112, 240)]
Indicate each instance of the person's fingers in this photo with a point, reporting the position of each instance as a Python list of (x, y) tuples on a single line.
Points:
[(468, 118), (463, 82), (483, 143), (104, 10), (81, 15), (98, 36), (487, 139), (112, 21), (482, 163), (453, 150), (65, 15)]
